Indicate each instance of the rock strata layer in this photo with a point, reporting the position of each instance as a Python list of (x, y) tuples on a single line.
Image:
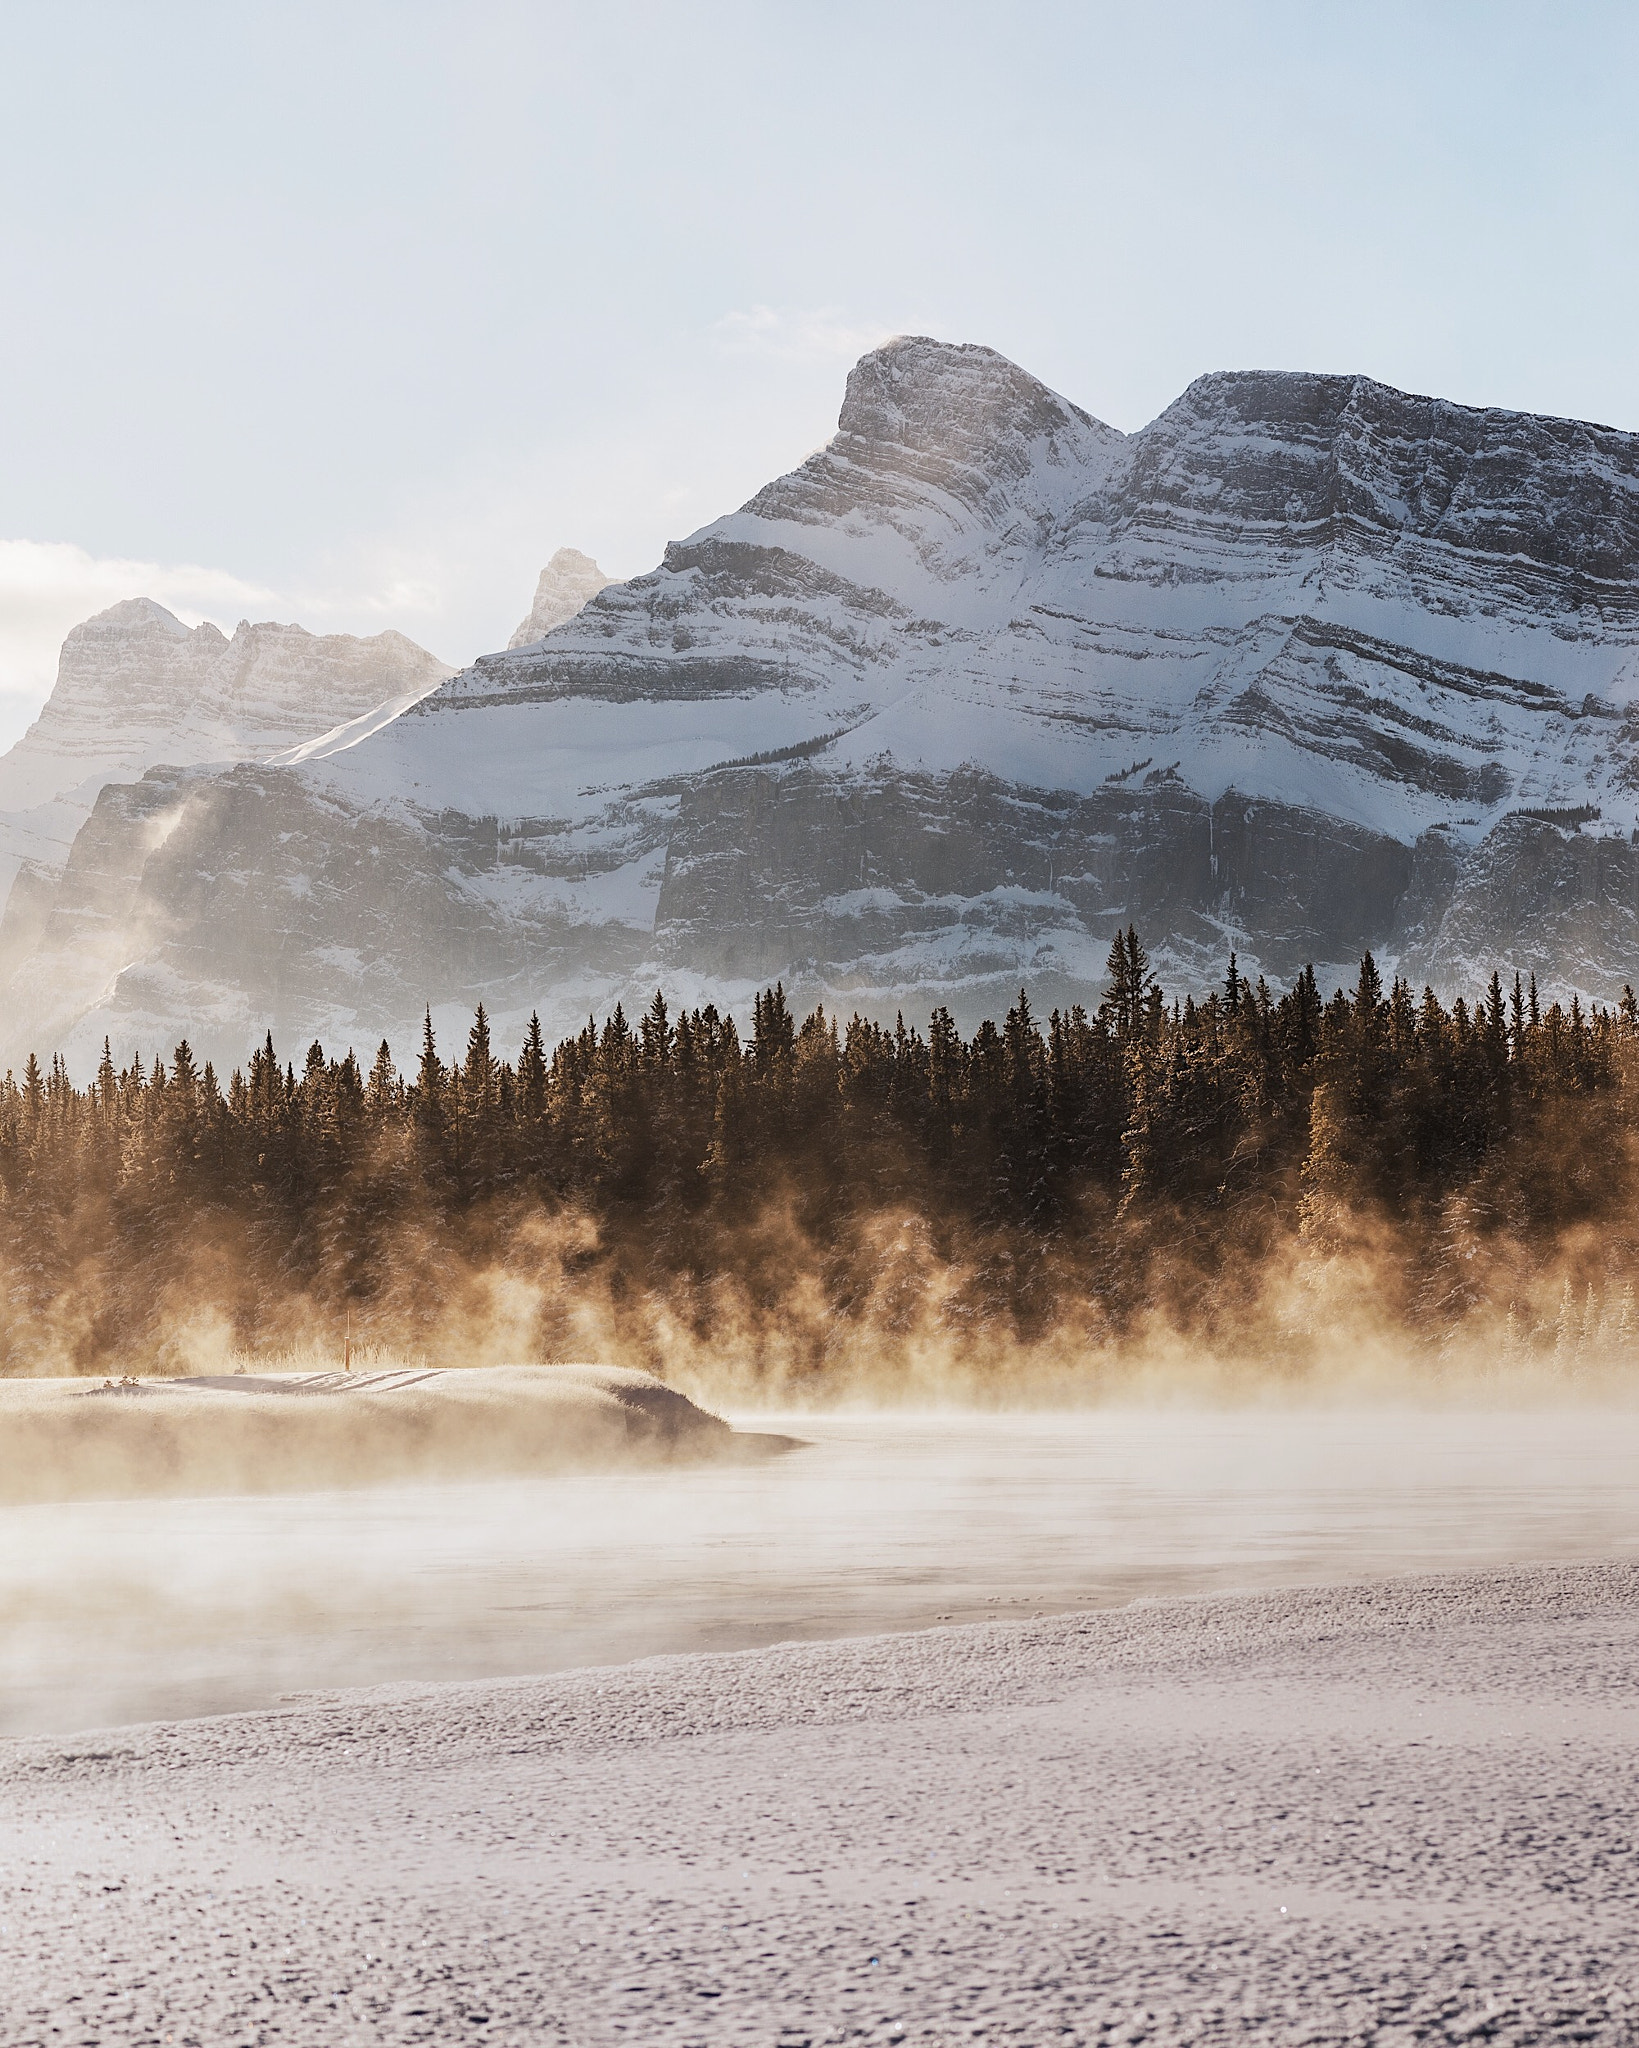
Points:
[(1306, 666), (136, 688)]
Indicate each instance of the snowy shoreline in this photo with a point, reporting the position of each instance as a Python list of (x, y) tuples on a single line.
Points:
[(231, 1433), (1349, 1813)]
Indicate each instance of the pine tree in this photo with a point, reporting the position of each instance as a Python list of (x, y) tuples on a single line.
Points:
[(774, 1032), (1130, 996), (107, 1084), (655, 1033), (1496, 1028), (1368, 994), (532, 1074), (480, 1075), (429, 1078), (1115, 994), (34, 1099), (430, 1086), (381, 1090)]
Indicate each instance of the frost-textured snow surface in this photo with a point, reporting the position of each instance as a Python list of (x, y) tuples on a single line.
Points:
[(1305, 666), (1360, 1815), (568, 583)]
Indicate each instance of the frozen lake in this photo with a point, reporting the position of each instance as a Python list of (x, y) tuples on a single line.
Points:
[(127, 1611)]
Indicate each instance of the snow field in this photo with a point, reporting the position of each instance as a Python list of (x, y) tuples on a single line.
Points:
[(1356, 1815)]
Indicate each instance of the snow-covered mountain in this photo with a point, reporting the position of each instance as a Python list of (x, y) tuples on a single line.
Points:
[(569, 582), (136, 688), (1305, 666)]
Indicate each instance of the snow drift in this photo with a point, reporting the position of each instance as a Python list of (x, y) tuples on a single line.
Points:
[(77, 1440)]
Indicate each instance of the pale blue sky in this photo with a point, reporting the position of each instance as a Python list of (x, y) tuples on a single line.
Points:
[(352, 313)]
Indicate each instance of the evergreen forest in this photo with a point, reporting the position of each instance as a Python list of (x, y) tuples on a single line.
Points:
[(1254, 1175)]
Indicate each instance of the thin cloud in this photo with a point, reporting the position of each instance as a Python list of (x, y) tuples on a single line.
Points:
[(795, 334), (48, 587)]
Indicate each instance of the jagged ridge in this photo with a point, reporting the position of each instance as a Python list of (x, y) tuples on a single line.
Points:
[(1282, 671)]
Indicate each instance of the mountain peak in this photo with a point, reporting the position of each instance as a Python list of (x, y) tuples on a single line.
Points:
[(1291, 447), (276, 629), (136, 687), (133, 614), (568, 583), (1306, 665), (956, 400)]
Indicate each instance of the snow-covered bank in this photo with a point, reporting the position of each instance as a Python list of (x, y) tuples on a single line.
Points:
[(78, 1439), (1352, 1815)]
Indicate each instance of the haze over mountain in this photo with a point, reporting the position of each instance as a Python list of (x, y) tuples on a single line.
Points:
[(1305, 666), (568, 583), (135, 687)]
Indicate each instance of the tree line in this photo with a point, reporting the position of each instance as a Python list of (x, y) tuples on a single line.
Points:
[(1148, 1159)]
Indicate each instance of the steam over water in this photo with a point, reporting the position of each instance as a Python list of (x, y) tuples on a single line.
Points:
[(127, 1611)]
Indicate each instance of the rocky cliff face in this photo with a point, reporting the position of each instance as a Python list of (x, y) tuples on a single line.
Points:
[(1307, 665), (568, 583), (135, 688)]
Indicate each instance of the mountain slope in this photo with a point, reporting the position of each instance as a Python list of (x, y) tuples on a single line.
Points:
[(136, 687), (1306, 665)]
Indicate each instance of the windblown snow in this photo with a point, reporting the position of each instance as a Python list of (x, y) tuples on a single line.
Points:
[(1364, 1815), (136, 687)]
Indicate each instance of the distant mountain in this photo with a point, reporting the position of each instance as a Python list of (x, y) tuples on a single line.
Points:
[(1305, 666), (136, 688), (568, 583)]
